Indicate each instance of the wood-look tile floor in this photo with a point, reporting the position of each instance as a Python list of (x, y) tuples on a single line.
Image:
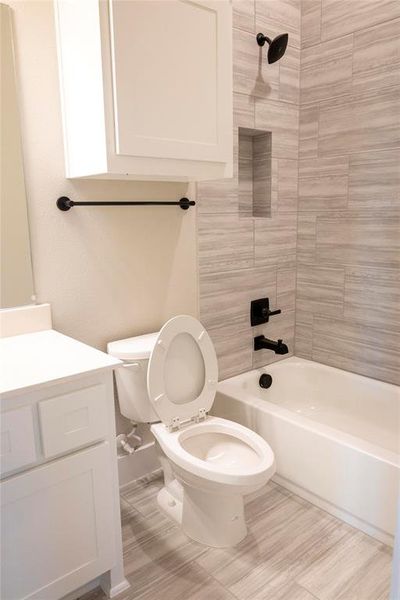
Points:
[(294, 551)]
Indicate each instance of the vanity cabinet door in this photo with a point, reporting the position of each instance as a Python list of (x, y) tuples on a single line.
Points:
[(57, 526)]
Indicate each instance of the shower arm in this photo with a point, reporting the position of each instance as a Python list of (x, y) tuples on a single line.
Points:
[(261, 39)]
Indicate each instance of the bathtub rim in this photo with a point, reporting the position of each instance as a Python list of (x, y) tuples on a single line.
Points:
[(228, 387), (293, 359)]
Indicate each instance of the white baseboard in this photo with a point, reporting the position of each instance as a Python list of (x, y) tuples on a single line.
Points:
[(133, 466), (334, 510), (111, 592)]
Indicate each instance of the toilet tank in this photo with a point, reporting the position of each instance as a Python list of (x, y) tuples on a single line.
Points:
[(131, 377)]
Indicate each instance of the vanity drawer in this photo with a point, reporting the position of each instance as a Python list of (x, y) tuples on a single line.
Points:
[(17, 439), (73, 420)]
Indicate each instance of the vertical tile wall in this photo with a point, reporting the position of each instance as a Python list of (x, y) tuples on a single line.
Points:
[(342, 197), (242, 257), (348, 248)]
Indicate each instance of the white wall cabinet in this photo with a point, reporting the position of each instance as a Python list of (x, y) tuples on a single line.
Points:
[(146, 88)]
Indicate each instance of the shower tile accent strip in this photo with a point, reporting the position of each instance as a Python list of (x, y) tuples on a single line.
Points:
[(243, 256), (294, 551), (348, 242)]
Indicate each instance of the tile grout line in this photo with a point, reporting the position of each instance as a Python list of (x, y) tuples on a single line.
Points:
[(298, 177), (219, 583), (355, 31)]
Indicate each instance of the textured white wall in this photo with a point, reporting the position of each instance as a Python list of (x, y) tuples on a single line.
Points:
[(108, 272)]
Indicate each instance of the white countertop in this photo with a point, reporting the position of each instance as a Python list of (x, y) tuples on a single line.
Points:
[(35, 359)]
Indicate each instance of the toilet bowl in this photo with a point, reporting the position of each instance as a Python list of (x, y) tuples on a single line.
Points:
[(209, 463), (216, 463)]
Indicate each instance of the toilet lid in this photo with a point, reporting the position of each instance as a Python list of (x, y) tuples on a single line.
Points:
[(182, 374)]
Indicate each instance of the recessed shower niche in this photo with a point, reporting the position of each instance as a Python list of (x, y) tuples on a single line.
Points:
[(255, 172)]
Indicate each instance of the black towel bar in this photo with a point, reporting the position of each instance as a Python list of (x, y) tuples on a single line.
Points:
[(64, 203)]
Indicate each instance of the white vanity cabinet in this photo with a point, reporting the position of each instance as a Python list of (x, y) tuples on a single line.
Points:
[(60, 521), (57, 526), (146, 88)]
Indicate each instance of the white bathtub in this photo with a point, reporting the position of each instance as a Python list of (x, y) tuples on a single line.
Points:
[(336, 437)]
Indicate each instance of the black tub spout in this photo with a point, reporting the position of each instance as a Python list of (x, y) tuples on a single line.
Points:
[(261, 342)]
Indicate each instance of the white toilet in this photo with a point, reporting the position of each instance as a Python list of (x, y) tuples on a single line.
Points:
[(170, 379)]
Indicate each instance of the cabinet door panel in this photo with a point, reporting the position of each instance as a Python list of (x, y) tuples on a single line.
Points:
[(57, 531), (69, 421), (17, 438), (172, 90)]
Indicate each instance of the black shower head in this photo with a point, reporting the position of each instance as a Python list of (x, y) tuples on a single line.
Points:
[(277, 46)]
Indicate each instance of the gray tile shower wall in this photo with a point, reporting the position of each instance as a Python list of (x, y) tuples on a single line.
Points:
[(332, 104), (348, 243), (243, 257)]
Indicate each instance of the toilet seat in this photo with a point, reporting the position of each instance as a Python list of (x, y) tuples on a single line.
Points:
[(244, 473), (182, 374)]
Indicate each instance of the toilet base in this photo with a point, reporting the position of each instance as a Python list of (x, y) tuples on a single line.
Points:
[(170, 503), (216, 520)]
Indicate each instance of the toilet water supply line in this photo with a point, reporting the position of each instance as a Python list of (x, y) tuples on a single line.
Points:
[(124, 439)]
